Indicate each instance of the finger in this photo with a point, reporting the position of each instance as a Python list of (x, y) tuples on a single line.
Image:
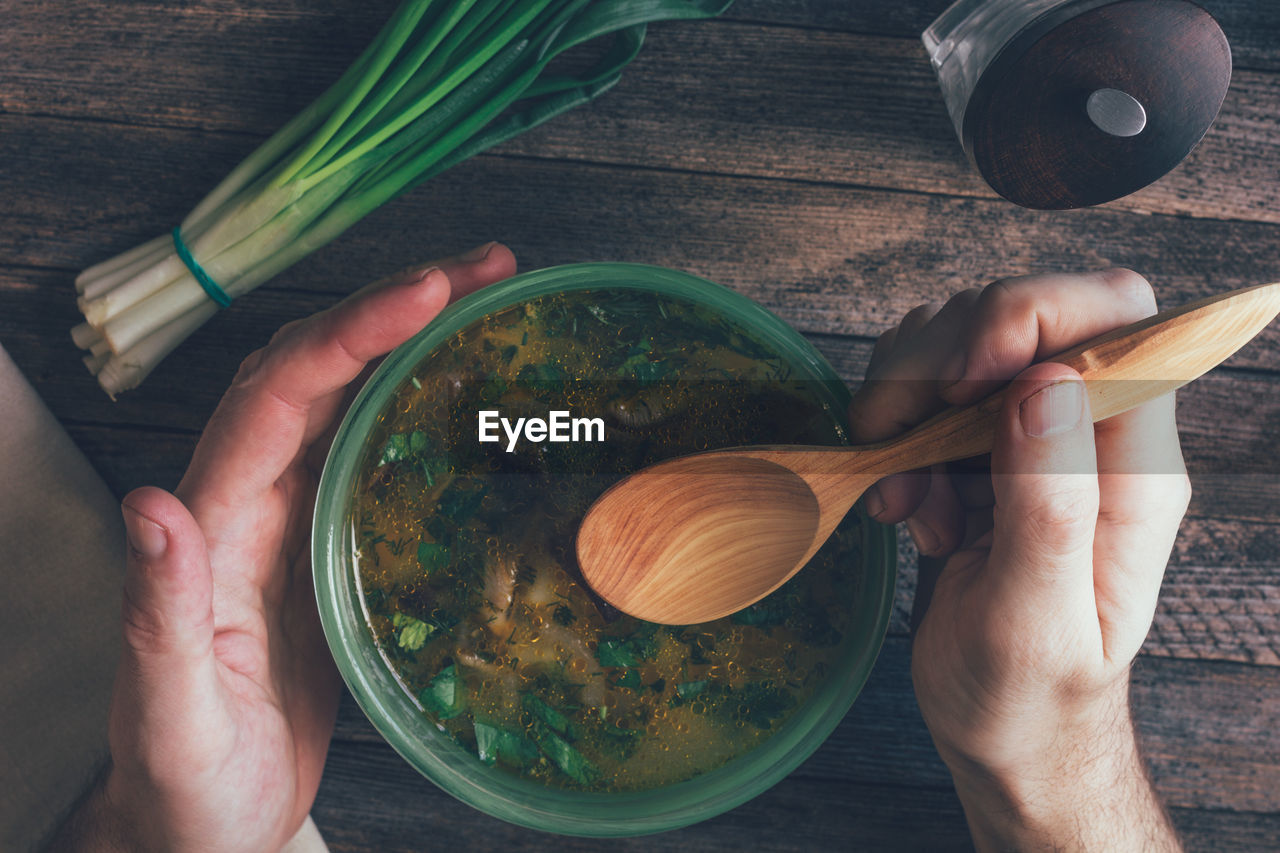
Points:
[(468, 271), (891, 390), (1023, 320), (266, 417), (168, 589), (895, 497), (881, 351), (972, 482), (916, 319), (480, 267), (167, 671), (903, 389), (259, 427), (1046, 491), (937, 525), (321, 431), (1143, 491)]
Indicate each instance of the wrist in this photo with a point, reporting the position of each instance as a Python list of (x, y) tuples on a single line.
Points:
[(1086, 788)]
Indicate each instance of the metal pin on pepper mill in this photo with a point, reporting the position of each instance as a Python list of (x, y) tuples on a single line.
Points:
[(1071, 103)]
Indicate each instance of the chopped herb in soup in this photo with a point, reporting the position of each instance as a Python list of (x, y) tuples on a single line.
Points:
[(465, 548)]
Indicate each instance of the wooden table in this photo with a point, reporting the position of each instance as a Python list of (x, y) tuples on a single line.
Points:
[(798, 152)]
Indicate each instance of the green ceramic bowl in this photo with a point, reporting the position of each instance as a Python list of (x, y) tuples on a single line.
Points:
[(497, 792)]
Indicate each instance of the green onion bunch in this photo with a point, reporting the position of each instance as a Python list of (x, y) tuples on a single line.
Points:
[(443, 80)]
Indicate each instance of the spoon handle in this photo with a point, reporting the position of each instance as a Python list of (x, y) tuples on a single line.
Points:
[(1122, 369)]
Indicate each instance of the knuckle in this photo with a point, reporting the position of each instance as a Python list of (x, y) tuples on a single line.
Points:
[(1166, 495), (145, 630), (284, 332), (920, 313), (881, 352), (1001, 298), (1179, 494), (960, 304), (1003, 312), (965, 298), (1060, 520), (250, 366)]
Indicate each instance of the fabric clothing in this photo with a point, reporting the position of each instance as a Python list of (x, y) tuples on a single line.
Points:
[(61, 563)]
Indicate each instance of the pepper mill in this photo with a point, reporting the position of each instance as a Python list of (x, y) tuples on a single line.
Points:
[(1070, 103)]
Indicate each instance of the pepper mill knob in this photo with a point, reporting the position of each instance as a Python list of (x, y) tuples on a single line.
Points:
[(1116, 112)]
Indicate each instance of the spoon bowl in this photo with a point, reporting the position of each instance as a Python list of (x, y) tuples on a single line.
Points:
[(688, 508)]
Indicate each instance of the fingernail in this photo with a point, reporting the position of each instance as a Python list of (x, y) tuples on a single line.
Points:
[(1053, 409), (419, 276), (145, 536), (873, 501), (479, 253), (411, 278), (924, 537)]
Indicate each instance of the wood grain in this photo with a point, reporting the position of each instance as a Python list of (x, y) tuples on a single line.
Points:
[(755, 100), (1221, 594), (832, 260)]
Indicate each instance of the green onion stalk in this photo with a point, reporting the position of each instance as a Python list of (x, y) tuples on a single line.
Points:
[(443, 80)]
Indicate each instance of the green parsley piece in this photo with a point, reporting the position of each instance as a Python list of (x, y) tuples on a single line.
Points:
[(413, 632), (615, 652), (549, 716), (620, 742), (446, 695), (689, 689), (494, 743), (630, 678), (573, 763), (432, 556)]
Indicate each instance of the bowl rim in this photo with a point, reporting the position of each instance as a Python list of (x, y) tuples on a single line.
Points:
[(395, 713)]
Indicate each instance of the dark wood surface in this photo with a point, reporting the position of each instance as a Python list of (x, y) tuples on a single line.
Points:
[(796, 151)]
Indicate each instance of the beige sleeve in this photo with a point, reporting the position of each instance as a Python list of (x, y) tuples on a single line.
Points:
[(61, 562)]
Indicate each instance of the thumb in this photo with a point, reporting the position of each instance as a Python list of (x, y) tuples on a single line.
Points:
[(1044, 476), (167, 663)]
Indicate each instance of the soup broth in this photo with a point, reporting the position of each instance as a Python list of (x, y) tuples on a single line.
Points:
[(465, 549)]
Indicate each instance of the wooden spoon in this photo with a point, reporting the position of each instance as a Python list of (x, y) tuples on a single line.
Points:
[(699, 537)]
